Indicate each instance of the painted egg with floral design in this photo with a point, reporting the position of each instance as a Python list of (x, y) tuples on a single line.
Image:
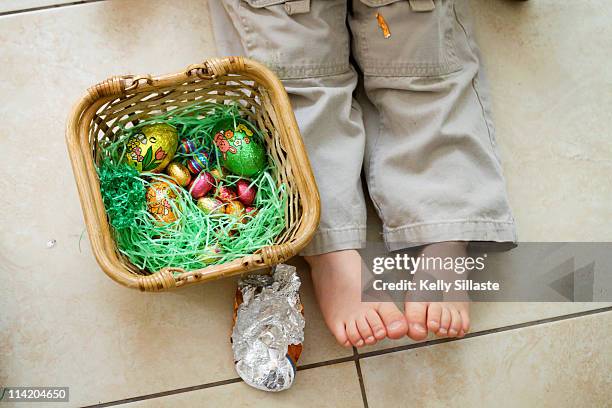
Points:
[(239, 148), (160, 199), (152, 147)]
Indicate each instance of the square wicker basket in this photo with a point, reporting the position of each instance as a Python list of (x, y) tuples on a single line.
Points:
[(129, 99)]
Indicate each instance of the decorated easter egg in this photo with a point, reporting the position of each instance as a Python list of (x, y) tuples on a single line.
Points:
[(198, 162), (179, 173), (234, 208), (211, 253), (201, 185), (246, 192), (186, 146), (159, 201), (226, 194), (238, 150), (152, 147), (210, 205)]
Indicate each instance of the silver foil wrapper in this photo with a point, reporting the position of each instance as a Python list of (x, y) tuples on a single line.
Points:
[(267, 322)]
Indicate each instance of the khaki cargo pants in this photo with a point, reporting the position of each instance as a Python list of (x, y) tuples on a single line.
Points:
[(419, 123)]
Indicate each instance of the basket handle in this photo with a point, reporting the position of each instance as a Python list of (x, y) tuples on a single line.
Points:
[(208, 69), (117, 85), (215, 67)]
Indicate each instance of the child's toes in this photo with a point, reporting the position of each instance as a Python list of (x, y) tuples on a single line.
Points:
[(353, 334), (445, 320), (416, 313), (339, 332), (465, 320), (394, 320), (455, 325), (376, 324), (365, 331), (434, 313)]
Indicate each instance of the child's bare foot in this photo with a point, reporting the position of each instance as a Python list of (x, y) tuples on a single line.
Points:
[(336, 277), (449, 318), (444, 319)]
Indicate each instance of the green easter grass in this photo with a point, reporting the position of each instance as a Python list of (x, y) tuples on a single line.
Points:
[(196, 239)]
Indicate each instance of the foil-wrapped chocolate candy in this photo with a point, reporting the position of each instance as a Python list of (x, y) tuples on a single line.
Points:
[(269, 328)]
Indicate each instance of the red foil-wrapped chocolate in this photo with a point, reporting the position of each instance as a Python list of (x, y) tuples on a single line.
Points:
[(250, 213), (246, 192), (201, 185)]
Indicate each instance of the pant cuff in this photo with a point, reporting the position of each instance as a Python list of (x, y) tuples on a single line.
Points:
[(331, 240), (493, 235)]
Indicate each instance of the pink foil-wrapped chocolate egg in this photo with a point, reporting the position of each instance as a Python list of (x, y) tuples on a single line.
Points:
[(201, 185), (246, 192), (226, 194), (250, 213)]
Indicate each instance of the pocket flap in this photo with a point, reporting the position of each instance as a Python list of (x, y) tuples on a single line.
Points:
[(378, 3), (264, 3)]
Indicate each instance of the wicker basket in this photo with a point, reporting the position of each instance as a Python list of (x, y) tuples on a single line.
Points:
[(129, 99)]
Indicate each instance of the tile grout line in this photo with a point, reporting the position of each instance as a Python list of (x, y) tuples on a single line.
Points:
[(165, 393), (47, 7), (364, 396), (356, 357), (486, 332), (326, 363)]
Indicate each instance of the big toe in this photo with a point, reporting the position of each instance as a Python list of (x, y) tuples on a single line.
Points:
[(416, 313), (339, 332), (393, 319)]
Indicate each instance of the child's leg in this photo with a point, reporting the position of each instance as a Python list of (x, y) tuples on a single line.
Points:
[(310, 53), (433, 170)]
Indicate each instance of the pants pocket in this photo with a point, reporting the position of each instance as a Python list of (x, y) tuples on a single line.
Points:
[(421, 44), (301, 45)]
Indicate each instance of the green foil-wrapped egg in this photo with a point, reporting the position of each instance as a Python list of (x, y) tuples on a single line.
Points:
[(152, 147), (238, 150)]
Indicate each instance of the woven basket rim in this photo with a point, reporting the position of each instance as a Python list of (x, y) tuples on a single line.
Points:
[(96, 221)]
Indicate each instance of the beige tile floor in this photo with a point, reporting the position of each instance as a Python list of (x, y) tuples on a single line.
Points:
[(62, 322)]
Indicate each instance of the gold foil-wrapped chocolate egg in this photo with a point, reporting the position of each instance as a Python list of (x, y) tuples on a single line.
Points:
[(217, 173), (159, 201), (235, 208), (152, 147), (210, 205), (179, 172)]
